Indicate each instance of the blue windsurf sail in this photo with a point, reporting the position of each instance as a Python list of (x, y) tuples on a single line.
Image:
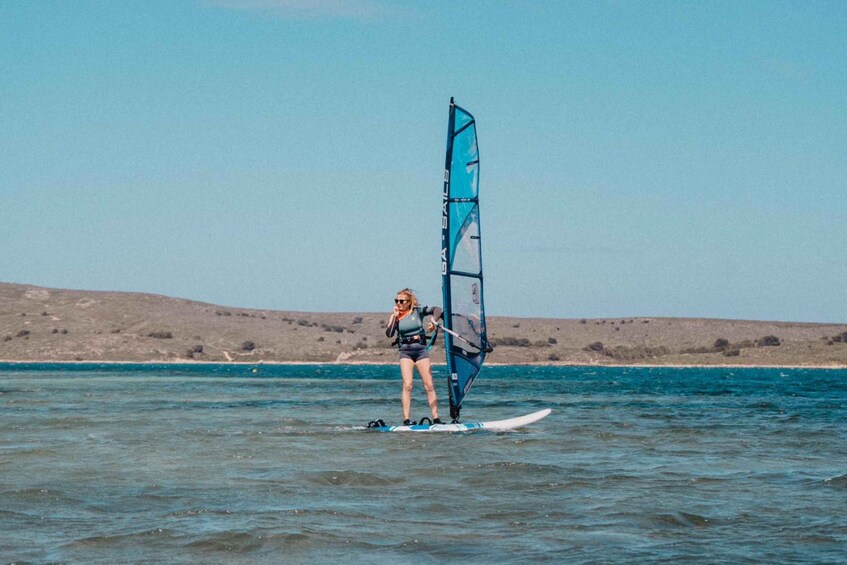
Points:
[(465, 338)]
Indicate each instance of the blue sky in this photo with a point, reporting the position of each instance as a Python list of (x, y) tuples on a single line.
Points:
[(637, 158)]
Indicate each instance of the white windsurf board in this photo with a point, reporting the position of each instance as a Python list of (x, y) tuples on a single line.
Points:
[(494, 426)]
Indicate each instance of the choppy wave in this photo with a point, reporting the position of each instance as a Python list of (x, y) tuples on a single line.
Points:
[(684, 520), (347, 477), (839, 482)]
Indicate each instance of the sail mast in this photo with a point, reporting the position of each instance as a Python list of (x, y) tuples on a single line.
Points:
[(445, 260)]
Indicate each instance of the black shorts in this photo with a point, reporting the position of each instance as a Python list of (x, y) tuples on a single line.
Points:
[(414, 351)]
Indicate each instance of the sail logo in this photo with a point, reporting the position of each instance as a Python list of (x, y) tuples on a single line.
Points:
[(475, 293), (444, 201)]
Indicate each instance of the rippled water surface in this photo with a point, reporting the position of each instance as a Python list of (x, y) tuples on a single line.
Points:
[(218, 463)]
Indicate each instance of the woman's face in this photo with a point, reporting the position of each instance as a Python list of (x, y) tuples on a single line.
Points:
[(402, 301)]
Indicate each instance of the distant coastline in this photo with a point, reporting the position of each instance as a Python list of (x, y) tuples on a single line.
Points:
[(76, 326)]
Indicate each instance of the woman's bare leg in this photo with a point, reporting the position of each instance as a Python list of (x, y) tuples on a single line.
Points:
[(425, 369), (407, 372)]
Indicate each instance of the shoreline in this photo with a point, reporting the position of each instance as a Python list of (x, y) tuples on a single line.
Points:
[(829, 367)]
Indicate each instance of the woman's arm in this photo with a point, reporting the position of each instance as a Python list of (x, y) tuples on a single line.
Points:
[(435, 312), (391, 326)]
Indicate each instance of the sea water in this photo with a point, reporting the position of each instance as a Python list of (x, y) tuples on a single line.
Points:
[(270, 464)]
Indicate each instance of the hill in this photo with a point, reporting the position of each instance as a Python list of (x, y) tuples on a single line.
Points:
[(42, 324)]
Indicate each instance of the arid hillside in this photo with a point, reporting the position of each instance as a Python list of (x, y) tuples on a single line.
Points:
[(41, 324)]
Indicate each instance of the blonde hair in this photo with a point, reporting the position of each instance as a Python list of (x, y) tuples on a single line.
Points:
[(410, 294)]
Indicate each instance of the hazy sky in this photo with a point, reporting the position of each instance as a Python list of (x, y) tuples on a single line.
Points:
[(637, 158)]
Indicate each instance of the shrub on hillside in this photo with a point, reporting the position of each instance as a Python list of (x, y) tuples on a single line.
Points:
[(157, 335), (623, 353), (697, 350), (768, 341), (729, 349), (511, 342), (596, 346), (248, 346)]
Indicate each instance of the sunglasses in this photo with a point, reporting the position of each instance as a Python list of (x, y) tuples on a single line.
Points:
[(400, 301)]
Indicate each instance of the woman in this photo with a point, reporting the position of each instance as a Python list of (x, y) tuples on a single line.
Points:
[(407, 321)]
